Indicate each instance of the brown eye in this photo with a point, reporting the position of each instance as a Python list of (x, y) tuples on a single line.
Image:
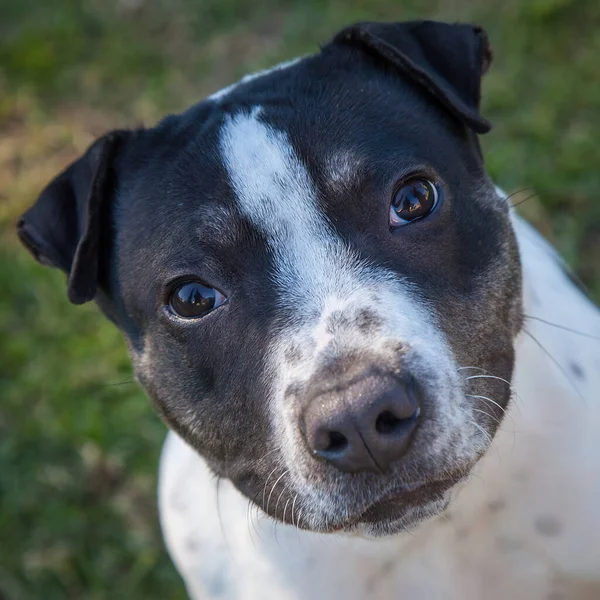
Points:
[(414, 200), (193, 299)]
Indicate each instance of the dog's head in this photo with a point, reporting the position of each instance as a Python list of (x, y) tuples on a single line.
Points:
[(319, 286)]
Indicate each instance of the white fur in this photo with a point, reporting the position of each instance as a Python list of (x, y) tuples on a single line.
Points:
[(525, 527), (318, 275)]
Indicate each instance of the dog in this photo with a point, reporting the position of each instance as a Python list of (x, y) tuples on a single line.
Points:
[(380, 382)]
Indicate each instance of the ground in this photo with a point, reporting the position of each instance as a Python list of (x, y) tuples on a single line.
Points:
[(78, 441)]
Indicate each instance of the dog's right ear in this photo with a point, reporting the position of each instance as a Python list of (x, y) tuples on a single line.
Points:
[(448, 60), (69, 225)]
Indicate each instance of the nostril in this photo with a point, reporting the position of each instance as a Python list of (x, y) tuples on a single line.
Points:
[(337, 442), (387, 422)]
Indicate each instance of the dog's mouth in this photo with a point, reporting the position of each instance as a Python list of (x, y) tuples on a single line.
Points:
[(394, 507), (402, 509)]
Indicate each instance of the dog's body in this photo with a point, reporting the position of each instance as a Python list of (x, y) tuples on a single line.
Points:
[(325, 296), (525, 527)]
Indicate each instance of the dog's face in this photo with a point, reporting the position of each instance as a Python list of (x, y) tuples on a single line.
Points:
[(319, 286)]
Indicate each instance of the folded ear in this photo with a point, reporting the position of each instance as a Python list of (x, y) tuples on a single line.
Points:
[(68, 225), (446, 59)]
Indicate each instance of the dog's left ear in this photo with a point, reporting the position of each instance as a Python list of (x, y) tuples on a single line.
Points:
[(68, 226), (447, 59)]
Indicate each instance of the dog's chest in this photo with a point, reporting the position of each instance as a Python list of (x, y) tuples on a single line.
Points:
[(505, 540), (526, 526)]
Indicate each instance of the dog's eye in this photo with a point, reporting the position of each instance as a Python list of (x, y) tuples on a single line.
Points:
[(193, 299), (414, 200)]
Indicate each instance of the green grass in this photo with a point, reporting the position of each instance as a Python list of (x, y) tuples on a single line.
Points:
[(78, 442)]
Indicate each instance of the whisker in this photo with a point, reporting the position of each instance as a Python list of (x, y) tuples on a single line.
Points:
[(502, 408), (293, 507), (273, 488), (298, 525), (218, 490), (275, 536), (489, 400), (266, 483), (249, 517), (557, 364), (483, 412), (325, 522), (285, 509), (277, 449), (563, 327), (514, 395), (483, 431), (255, 516), (505, 412), (510, 385), (475, 475), (275, 520), (487, 436), (300, 513), (278, 499), (519, 191), (525, 200), (489, 377)]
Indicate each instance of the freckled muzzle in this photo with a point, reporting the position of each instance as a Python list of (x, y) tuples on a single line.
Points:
[(379, 435)]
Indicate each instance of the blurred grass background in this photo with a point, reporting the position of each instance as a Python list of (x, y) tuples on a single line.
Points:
[(78, 441)]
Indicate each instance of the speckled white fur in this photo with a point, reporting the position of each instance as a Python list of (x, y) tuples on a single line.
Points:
[(317, 276), (525, 527)]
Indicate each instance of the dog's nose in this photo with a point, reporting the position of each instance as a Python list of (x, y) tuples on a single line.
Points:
[(365, 426)]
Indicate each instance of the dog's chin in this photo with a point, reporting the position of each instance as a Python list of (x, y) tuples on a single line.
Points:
[(405, 521), (401, 511)]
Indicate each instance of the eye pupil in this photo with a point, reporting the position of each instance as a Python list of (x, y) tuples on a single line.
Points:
[(193, 299), (414, 200)]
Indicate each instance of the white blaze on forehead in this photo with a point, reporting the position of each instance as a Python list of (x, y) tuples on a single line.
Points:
[(275, 192), (321, 278), (315, 271)]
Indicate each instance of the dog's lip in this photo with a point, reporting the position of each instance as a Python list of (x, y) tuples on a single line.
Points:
[(394, 505)]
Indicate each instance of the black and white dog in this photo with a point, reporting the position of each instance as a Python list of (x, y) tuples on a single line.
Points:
[(347, 330)]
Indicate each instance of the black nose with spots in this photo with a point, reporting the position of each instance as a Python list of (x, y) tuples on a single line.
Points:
[(365, 426)]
